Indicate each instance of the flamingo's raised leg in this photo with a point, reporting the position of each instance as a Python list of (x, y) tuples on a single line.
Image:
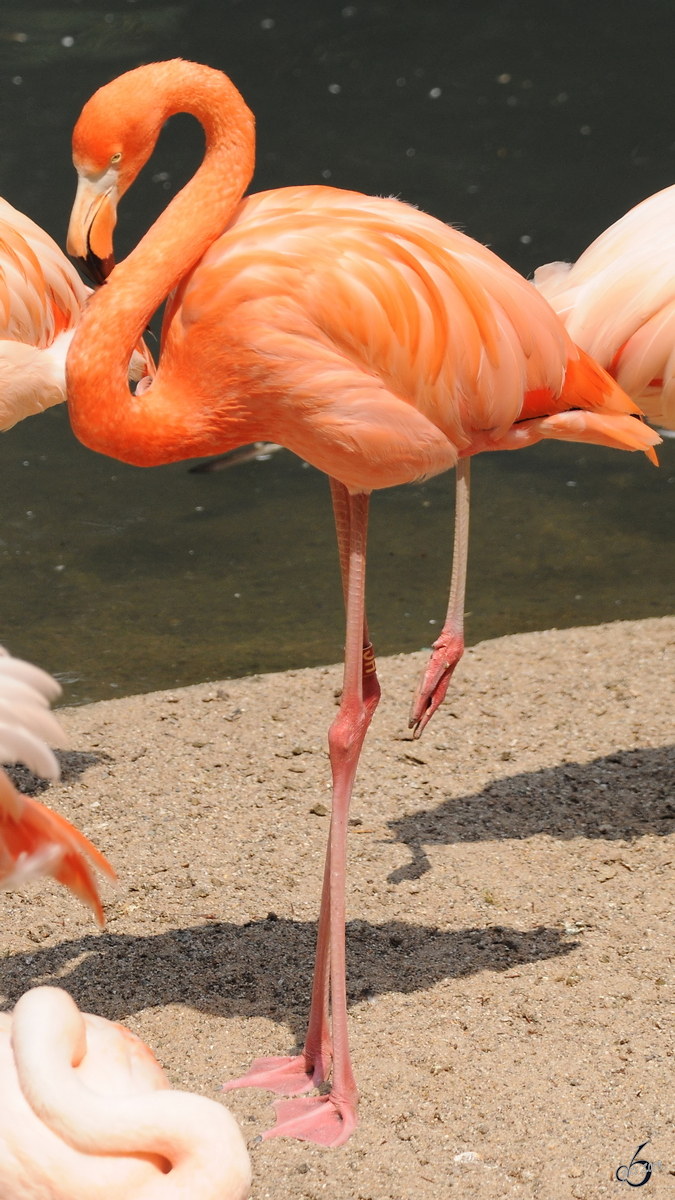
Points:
[(449, 646), (330, 1120), (319, 1119)]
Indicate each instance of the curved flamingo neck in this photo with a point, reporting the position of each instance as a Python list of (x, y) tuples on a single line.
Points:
[(104, 415)]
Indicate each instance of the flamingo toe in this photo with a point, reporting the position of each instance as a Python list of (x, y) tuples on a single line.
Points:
[(323, 1120), (287, 1076), (446, 653)]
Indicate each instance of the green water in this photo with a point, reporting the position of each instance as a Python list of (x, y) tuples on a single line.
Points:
[(124, 580), (127, 580)]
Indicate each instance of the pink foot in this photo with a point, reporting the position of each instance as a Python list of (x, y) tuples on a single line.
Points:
[(446, 653), (321, 1119), (286, 1076)]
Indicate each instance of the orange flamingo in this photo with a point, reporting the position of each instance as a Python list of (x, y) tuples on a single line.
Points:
[(86, 1112), (34, 840), (618, 302), (372, 340)]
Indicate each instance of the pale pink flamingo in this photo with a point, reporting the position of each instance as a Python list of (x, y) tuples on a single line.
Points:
[(34, 840), (41, 298), (369, 338), (86, 1113), (617, 301)]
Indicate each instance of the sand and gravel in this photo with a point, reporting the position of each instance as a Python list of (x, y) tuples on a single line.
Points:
[(510, 900)]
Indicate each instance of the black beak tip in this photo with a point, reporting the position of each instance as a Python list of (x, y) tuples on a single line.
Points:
[(96, 269)]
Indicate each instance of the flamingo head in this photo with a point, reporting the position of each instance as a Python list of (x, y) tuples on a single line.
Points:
[(117, 131), (113, 139)]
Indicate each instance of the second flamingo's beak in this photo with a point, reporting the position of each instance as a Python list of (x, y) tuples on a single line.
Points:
[(92, 221)]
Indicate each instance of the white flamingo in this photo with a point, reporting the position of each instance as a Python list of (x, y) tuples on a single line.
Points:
[(86, 1113), (41, 300)]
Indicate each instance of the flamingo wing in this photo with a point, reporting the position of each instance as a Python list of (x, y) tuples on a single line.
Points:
[(351, 305), (439, 320)]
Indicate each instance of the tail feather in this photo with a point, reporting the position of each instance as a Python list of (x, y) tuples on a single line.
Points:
[(618, 430), (36, 841), (587, 385)]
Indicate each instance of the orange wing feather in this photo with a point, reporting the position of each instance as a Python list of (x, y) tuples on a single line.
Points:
[(362, 334), (34, 840), (413, 307)]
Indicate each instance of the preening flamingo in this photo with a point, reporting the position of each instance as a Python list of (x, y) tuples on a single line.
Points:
[(86, 1113), (369, 338), (41, 298), (618, 302), (34, 840)]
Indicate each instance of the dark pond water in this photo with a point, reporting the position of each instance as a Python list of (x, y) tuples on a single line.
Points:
[(552, 119)]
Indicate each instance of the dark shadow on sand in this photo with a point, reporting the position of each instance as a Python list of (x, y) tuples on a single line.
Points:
[(73, 763), (624, 795), (264, 968)]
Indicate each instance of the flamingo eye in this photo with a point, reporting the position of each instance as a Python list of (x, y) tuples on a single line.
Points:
[(116, 157)]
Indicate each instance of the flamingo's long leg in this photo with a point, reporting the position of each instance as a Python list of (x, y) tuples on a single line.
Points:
[(449, 646), (293, 1074), (330, 1120), (317, 1050)]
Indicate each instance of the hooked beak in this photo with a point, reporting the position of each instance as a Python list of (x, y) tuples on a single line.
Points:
[(92, 221)]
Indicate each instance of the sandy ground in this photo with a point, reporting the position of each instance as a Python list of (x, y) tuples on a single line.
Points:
[(510, 945)]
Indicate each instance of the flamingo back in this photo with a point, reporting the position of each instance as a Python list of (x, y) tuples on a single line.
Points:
[(34, 1161), (362, 304), (41, 298), (437, 317)]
